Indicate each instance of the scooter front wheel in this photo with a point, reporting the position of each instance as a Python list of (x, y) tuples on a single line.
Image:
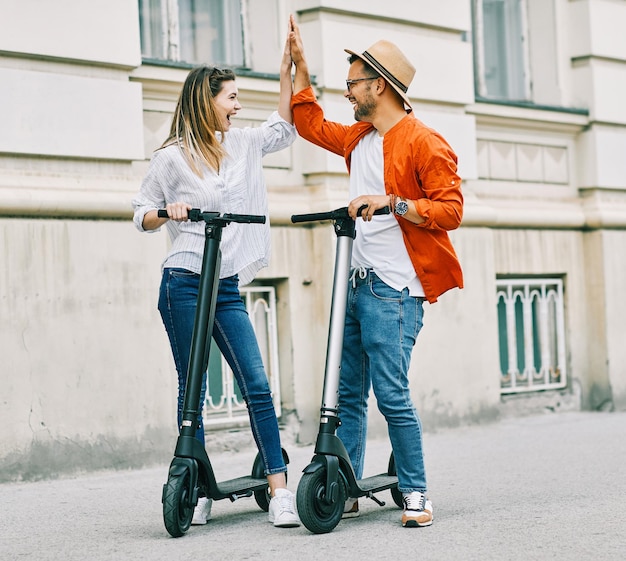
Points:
[(177, 508), (316, 512)]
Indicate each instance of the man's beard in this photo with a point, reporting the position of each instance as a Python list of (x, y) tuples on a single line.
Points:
[(365, 109)]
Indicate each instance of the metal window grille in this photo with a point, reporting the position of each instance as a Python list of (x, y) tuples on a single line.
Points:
[(531, 330), (224, 403)]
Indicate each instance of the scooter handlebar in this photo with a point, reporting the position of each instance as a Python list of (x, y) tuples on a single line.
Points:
[(333, 214), (196, 215)]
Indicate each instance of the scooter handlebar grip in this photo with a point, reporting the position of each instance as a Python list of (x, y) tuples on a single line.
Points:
[(314, 217), (377, 212), (195, 215), (332, 215), (245, 218)]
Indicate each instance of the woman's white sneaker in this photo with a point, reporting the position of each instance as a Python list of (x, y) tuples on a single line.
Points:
[(282, 511), (202, 512)]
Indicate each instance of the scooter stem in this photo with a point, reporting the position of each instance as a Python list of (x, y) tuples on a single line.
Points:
[(330, 398), (205, 314)]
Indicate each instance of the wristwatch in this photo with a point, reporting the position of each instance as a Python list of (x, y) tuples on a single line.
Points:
[(401, 207)]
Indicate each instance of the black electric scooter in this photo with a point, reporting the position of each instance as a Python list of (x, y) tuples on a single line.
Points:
[(190, 472), (329, 479)]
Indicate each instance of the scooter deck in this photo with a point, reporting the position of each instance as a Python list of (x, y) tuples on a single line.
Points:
[(240, 486), (377, 483)]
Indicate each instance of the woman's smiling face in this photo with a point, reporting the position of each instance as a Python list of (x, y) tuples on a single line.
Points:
[(227, 102)]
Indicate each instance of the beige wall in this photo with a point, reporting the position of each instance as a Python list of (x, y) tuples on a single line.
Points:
[(86, 370), (605, 377)]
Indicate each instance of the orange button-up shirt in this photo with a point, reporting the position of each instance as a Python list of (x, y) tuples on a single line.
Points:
[(418, 165)]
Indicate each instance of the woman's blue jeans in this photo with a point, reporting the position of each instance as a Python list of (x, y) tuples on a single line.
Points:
[(381, 328), (236, 341)]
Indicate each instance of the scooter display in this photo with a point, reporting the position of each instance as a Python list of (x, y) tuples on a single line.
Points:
[(191, 474), (329, 479)]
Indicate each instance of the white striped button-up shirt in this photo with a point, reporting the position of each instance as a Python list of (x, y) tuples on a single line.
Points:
[(238, 188)]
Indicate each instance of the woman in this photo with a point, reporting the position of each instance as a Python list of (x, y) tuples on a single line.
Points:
[(203, 164)]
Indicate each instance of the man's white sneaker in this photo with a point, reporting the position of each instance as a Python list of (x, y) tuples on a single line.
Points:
[(351, 508), (282, 511), (418, 510), (202, 512)]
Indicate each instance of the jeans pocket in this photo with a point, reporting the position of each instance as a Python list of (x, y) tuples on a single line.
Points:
[(181, 273), (179, 290), (383, 291)]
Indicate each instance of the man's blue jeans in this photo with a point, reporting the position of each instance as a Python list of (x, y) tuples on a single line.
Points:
[(381, 328), (236, 341)]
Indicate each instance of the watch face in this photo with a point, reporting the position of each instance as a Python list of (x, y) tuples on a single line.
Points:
[(401, 208)]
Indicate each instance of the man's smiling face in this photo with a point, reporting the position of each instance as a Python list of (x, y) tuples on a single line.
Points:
[(360, 92)]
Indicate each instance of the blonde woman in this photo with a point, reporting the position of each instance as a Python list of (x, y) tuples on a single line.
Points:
[(206, 164)]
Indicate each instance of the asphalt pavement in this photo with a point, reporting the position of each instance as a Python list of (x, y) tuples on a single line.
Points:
[(548, 487)]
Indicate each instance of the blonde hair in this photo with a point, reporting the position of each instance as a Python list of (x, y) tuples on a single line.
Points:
[(196, 121)]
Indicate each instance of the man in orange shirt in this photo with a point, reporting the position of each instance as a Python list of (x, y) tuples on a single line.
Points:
[(398, 260)]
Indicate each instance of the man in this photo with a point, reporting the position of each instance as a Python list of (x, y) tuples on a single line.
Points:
[(398, 260)]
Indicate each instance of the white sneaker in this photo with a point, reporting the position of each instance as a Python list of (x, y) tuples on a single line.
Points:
[(282, 511), (202, 512), (351, 508), (418, 510)]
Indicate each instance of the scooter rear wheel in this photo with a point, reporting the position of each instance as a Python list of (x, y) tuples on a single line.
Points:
[(261, 497), (177, 510), (314, 510), (396, 495)]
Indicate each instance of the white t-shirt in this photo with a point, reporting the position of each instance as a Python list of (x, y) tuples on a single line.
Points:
[(379, 244)]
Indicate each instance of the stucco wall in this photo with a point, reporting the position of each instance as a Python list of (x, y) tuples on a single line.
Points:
[(86, 366)]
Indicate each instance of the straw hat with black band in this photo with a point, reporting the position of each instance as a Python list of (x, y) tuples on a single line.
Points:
[(389, 61)]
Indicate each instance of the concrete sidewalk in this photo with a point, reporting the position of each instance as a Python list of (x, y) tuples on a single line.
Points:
[(534, 488)]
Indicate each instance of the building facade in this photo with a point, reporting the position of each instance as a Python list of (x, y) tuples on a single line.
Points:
[(530, 95)]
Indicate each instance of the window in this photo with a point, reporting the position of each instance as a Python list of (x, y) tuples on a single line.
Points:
[(531, 330), (515, 51), (192, 31), (502, 50)]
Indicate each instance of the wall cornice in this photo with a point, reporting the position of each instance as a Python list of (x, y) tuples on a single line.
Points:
[(528, 117)]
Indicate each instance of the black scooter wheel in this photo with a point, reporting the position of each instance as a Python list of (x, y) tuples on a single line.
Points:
[(314, 509), (177, 510), (396, 495), (261, 497)]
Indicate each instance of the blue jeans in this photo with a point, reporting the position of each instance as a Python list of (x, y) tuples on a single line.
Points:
[(236, 341), (381, 328)]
